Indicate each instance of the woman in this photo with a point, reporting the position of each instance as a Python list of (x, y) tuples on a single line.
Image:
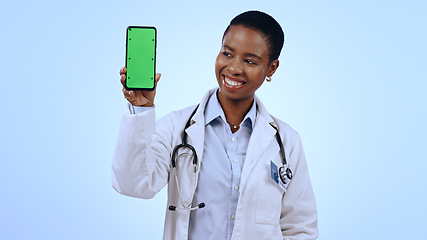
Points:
[(233, 192)]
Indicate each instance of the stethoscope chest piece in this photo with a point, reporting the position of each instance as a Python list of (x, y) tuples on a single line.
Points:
[(285, 174)]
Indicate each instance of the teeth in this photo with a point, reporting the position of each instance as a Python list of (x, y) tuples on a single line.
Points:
[(232, 83)]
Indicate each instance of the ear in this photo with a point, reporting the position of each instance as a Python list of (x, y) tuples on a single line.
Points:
[(273, 67)]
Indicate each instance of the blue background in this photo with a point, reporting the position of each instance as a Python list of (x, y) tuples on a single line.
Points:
[(352, 81)]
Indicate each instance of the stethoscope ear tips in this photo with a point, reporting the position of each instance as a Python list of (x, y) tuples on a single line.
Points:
[(174, 208)]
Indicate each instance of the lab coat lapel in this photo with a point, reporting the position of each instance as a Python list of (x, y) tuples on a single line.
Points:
[(262, 136), (196, 131), (196, 136)]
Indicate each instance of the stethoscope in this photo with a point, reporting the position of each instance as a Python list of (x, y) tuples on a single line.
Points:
[(285, 173)]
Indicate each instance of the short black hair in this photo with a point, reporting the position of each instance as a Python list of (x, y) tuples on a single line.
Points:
[(266, 25)]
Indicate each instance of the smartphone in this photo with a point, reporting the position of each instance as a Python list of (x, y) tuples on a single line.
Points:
[(140, 58)]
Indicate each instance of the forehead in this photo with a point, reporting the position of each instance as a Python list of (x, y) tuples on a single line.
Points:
[(246, 40)]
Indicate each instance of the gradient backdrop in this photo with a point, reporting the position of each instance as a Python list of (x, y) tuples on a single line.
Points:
[(352, 81)]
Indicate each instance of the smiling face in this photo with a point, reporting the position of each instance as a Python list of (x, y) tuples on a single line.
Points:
[(242, 64)]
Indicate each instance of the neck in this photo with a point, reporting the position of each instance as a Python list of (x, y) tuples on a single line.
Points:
[(235, 111)]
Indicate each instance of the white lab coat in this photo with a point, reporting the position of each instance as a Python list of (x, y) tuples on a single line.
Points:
[(141, 168)]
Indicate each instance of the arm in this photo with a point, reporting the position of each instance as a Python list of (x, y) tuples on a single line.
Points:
[(299, 214), (141, 158)]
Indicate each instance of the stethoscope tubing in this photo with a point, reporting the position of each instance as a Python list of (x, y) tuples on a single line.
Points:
[(285, 172)]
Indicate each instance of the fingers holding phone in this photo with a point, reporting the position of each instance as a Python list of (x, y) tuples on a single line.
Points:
[(136, 97)]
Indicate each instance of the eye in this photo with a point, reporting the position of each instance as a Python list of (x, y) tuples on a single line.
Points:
[(249, 61), (225, 53)]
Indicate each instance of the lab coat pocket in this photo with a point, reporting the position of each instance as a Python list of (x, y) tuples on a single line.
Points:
[(269, 200)]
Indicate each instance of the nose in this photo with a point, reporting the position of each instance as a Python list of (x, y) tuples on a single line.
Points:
[(235, 67)]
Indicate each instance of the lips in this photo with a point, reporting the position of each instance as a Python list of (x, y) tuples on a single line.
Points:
[(232, 83)]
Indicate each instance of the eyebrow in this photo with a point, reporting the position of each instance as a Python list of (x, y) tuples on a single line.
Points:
[(247, 54)]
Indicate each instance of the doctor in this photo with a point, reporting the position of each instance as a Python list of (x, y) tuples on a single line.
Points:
[(233, 194)]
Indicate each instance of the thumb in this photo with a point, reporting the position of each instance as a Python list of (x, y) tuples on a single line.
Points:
[(157, 77)]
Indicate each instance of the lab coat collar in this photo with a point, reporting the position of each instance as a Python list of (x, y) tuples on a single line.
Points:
[(196, 130), (262, 111), (199, 115)]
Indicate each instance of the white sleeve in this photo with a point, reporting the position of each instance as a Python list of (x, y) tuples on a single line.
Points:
[(299, 213), (141, 159)]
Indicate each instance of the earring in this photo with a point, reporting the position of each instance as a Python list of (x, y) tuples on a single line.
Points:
[(268, 78)]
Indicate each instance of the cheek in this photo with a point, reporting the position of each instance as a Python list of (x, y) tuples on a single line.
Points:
[(257, 74), (217, 67), (219, 64), (219, 61)]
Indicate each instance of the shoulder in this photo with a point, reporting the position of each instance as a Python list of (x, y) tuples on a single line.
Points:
[(183, 113), (290, 135), (178, 117)]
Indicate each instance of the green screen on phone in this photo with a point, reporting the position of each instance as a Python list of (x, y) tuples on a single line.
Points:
[(140, 58)]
